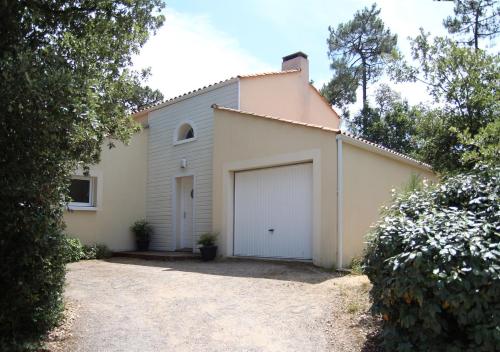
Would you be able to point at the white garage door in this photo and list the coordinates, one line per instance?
(273, 212)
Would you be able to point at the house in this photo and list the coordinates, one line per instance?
(260, 159)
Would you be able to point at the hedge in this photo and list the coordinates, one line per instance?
(434, 261)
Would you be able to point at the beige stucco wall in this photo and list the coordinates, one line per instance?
(121, 199)
(368, 179)
(244, 141)
(287, 96)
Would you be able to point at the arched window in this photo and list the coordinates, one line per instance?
(184, 133)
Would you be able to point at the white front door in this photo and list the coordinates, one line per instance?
(186, 212)
(273, 212)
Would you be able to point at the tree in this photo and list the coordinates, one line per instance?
(357, 50)
(474, 19)
(65, 87)
(341, 90)
(464, 84)
(485, 145)
(391, 122)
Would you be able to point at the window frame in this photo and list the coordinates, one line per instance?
(90, 205)
(178, 141)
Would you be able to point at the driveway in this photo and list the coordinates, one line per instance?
(135, 305)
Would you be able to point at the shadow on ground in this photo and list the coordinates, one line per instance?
(286, 271)
(373, 342)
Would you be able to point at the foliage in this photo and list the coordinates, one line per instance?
(65, 88)
(142, 230)
(357, 50)
(31, 278)
(74, 250)
(341, 90)
(484, 146)
(474, 19)
(391, 122)
(96, 251)
(207, 239)
(434, 261)
(415, 183)
(464, 84)
(357, 265)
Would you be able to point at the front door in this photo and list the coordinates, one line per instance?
(186, 212)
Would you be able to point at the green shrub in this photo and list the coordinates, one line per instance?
(96, 251)
(31, 280)
(357, 265)
(74, 249)
(141, 230)
(434, 261)
(207, 239)
(89, 252)
(102, 252)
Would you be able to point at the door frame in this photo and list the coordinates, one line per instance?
(176, 192)
(228, 195)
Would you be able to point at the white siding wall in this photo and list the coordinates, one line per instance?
(165, 157)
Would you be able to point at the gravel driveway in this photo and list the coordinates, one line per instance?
(135, 305)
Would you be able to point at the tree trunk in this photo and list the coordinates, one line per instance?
(364, 84)
(476, 30)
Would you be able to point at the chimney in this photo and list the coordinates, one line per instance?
(296, 61)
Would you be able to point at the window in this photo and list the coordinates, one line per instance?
(81, 191)
(184, 133)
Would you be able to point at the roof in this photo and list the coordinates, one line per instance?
(360, 140)
(270, 73)
(215, 106)
(213, 85)
(385, 149)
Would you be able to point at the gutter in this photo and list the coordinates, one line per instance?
(372, 147)
(340, 203)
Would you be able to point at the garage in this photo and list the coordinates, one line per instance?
(273, 212)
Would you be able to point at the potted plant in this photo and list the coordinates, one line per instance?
(208, 248)
(142, 232)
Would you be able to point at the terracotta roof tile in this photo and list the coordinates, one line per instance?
(324, 100)
(157, 105)
(268, 73)
(379, 146)
(164, 102)
(215, 106)
(337, 131)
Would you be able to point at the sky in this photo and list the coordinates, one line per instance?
(203, 42)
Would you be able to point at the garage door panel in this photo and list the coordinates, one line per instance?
(278, 199)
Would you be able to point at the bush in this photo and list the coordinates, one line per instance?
(74, 249)
(357, 266)
(96, 251)
(207, 239)
(141, 230)
(31, 281)
(434, 261)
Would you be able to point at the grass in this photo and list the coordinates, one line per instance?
(357, 266)
(353, 307)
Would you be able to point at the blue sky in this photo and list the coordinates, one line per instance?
(203, 42)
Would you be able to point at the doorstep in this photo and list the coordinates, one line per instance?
(157, 255)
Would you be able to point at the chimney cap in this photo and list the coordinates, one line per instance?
(294, 55)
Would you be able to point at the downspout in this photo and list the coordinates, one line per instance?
(340, 202)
